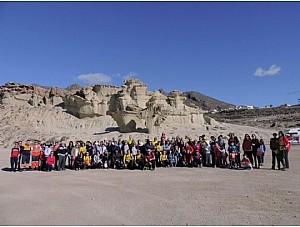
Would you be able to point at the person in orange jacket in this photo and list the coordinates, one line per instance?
(35, 155)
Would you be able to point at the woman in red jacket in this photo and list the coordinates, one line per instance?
(51, 161)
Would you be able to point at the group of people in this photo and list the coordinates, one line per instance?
(131, 154)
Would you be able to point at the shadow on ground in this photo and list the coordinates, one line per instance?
(117, 129)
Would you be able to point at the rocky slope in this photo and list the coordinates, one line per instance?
(275, 118)
(205, 102)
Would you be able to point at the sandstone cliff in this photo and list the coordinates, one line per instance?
(37, 111)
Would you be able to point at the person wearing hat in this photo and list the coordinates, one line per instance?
(274, 146)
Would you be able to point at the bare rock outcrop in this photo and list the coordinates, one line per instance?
(131, 106)
(34, 95)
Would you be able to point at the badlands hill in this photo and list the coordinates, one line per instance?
(103, 111)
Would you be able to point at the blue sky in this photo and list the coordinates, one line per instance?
(245, 53)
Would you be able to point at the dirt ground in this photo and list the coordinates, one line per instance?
(166, 196)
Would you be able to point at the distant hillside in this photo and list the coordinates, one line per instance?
(278, 117)
(205, 102)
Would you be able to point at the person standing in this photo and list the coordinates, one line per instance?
(20, 156)
(14, 156)
(255, 146)
(274, 146)
(47, 152)
(247, 147)
(223, 152)
(26, 153)
(74, 153)
(213, 149)
(238, 148)
(68, 156)
(36, 152)
(283, 150)
(61, 152)
(261, 150)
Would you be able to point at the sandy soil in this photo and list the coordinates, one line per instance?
(175, 196)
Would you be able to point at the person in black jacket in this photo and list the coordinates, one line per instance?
(20, 156)
(255, 146)
(62, 151)
(68, 156)
(274, 146)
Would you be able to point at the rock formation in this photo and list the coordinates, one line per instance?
(132, 106)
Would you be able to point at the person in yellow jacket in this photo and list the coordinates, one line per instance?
(139, 160)
(159, 147)
(155, 141)
(87, 160)
(82, 148)
(129, 141)
(128, 160)
(158, 151)
(163, 159)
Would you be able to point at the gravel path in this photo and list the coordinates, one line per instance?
(173, 196)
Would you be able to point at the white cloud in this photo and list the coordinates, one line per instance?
(130, 75)
(273, 70)
(95, 78)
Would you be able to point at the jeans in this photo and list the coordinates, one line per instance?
(43, 165)
(61, 162)
(274, 156)
(151, 164)
(254, 158)
(50, 167)
(263, 158)
(286, 158)
(213, 159)
(14, 163)
(280, 159)
(26, 158)
(19, 162)
(203, 154)
(207, 158)
(259, 159)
